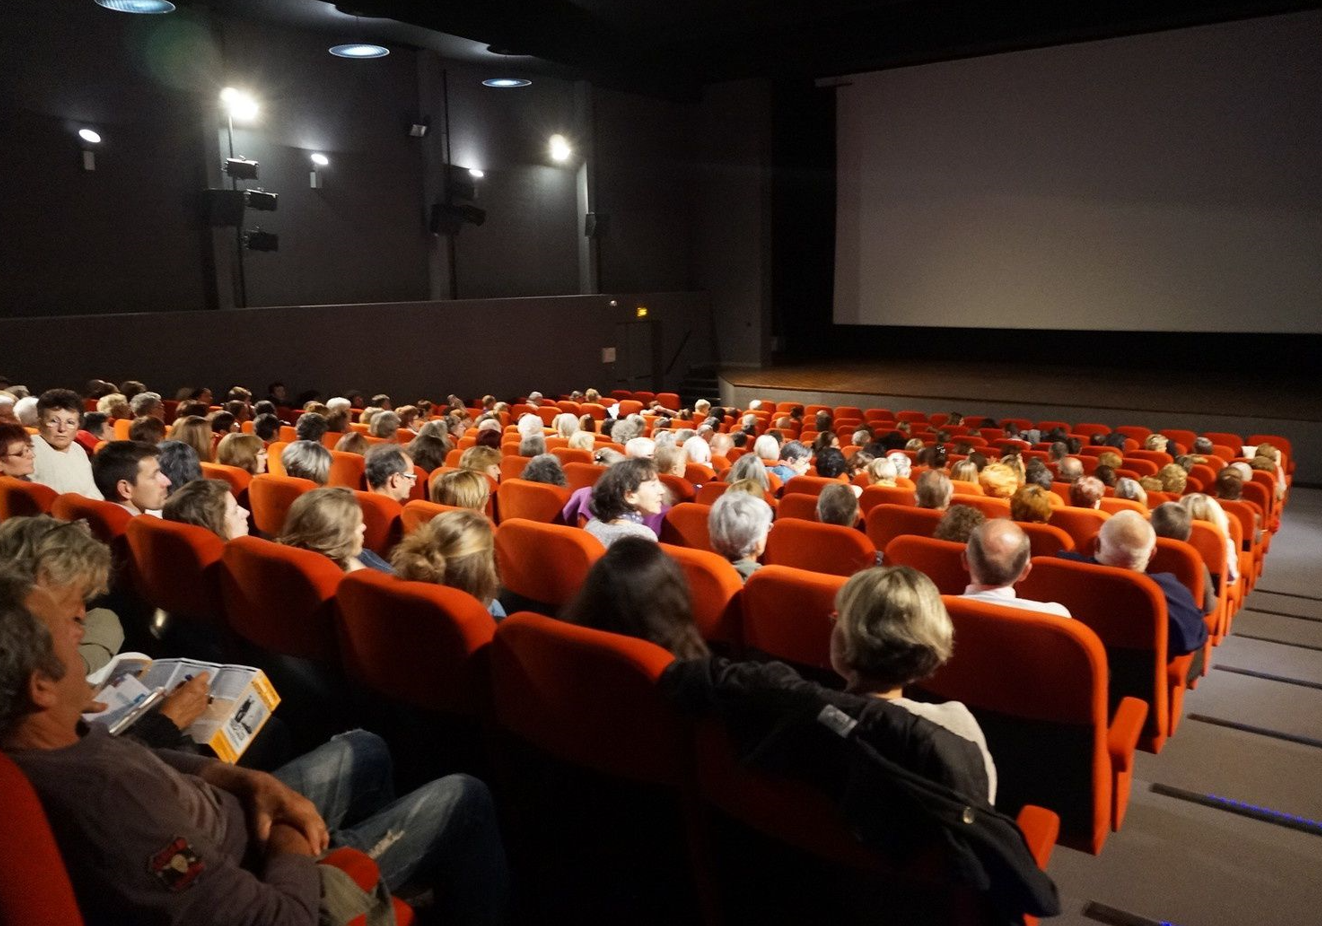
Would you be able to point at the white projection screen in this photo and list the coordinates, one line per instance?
(1162, 182)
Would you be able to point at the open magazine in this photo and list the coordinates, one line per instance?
(242, 699)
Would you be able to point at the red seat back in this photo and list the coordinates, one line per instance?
(885, 495)
(417, 513)
(886, 522)
(1082, 524)
(533, 501)
(35, 889)
(787, 614)
(939, 560)
(280, 598)
(799, 505)
(545, 563)
(415, 642)
(19, 499)
(685, 525)
(1046, 540)
(346, 470)
(177, 567)
(107, 520)
(808, 485)
(582, 475)
(237, 477)
(827, 548)
(384, 520)
(271, 497)
(714, 587)
(548, 678)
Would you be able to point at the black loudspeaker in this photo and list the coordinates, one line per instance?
(447, 219)
(596, 224)
(222, 208)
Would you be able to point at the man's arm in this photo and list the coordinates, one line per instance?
(269, 801)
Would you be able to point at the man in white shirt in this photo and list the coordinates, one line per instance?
(998, 556)
(128, 473)
(61, 463)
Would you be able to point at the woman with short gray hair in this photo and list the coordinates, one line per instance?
(738, 527)
(749, 467)
(305, 459)
(384, 425)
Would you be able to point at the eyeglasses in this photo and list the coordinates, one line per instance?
(411, 477)
(25, 450)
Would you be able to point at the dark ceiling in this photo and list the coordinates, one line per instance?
(673, 47)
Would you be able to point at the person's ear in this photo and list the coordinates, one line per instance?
(1028, 567)
(964, 560)
(124, 489)
(42, 690)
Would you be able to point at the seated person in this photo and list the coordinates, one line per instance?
(389, 472)
(1031, 503)
(1205, 508)
(195, 431)
(427, 451)
(635, 589)
(1106, 476)
(794, 460)
(958, 523)
(96, 428)
(352, 442)
(245, 451)
(738, 525)
(147, 429)
(532, 445)
(881, 472)
(546, 468)
(17, 456)
(998, 557)
(130, 475)
(964, 471)
(1069, 469)
(266, 427)
(622, 498)
(312, 426)
(164, 836)
(1172, 520)
(838, 504)
(1173, 478)
(830, 463)
(60, 462)
(1131, 489)
(71, 564)
(933, 490)
(485, 460)
(208, 503)
(329, 522)
(455, 548)
(305, 459)
(462, 489)
(179, 463)
(1086, 492)
(998, 480)
(1127, 541)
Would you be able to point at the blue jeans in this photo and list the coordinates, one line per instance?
(443, 835)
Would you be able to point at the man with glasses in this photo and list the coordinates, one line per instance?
(389, 472)
(60, 462)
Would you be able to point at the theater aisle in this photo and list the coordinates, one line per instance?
(1225, 825)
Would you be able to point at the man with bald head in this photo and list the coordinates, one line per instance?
(1128, 541)
(998, 557)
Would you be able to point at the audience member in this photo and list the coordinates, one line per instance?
(998, 557)
(1173, 478)
(208, 503)
(428, 451)
(457, 549)
(933, 490)
(485, 460)
(545, 467)
(998, 480)
(196, 433)
(838, 504)
(964, 471)
(147, 429)
(636, 590)
(881, 472)
(903, 465)
(17, 455)
(1087, 492)
(222, 844)
(245, 451)
(96, 428)
(60, 462)
(622, 498)
(794, 460)
(1105, 475)
(179, 464)
(312, 426)
(305, 459)
(329, 522)
(1205, 508)
(830, 463)
(352, 442)
(130, 475)
(1173, 521)
(1131, 489)
(958, 523)
(462, 488)
(1032, 504)
(389, 472)
(266, 427)
(738, 526)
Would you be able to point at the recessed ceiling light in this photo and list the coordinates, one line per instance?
(137, 6)
(506, 83)
(360, 50)
(89, 136)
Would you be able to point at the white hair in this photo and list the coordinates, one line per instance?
(529, 424)
(339, 403)
(737, 524)
(664, 437)
(640, 447)
(565, 424)
(698, 449)
(25, 410)
(903, 465)
(1126, 540)
(766, 447)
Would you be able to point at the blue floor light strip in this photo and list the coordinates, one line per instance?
(1114, 916)
(1242, 808)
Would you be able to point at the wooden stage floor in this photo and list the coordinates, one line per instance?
(971, 386)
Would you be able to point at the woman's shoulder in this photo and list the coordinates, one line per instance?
(952, 715)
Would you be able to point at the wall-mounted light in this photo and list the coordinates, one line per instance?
(137, 6)
(506, 83)
(314, 178)
(260, 199)
(241, 106)
(359, 50)
(320, 160)
(559, 147)
(91, 136)
(476, 174)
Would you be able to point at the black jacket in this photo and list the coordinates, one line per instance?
(901, 782)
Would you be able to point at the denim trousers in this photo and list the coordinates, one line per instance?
(444, 835)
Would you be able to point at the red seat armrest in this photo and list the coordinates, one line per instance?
(355, 864)
(1040, 828)
(1126, 727)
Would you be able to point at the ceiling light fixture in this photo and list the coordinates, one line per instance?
(90, 136)
(137, 6)
(359, 50)
(560, 150)
(506, 83)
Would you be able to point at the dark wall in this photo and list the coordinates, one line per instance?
(506, 347)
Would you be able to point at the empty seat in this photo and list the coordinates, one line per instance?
(1038, 685)
(787, 614)
(685, 525)
(544, 563)
(237, 477)
(809, 485)
(271, 497)
(1127, 611)
(989, 506)
(20, 499)
(886, 522)
(939, 560)
(798, 505)
(582, 475)
(416, 643)
(346, 470)
(875, 495)
(826, 548)
(532, 501)
(570, 455)
(714, 587)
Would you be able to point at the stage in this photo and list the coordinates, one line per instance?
(1247, 402)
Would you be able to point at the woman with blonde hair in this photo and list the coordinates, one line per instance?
(565, 424)
(1031, 503)
(329, 522)
(582, 440)
(964, 471)
(195, 431)
(463, 489)
(1205, 508)
(881, 472)
(246, 451)
(456, 549)
(998, 480)
(208, 503)
(484, 460)
(1173, 478)
(352, 442)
